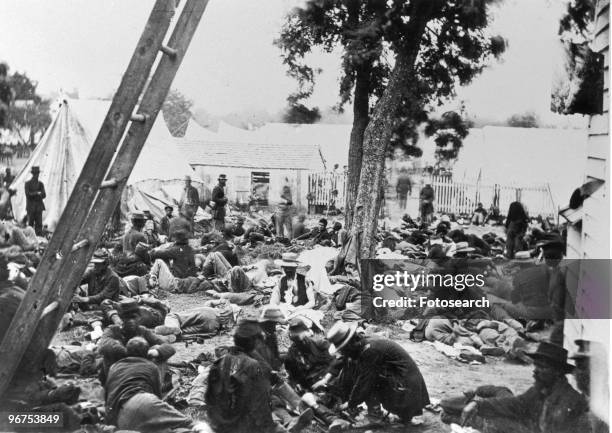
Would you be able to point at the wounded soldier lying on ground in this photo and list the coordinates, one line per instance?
(209, 319)
(488, 336)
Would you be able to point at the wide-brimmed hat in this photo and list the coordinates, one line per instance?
(340, 334)
(551, 240)
(289, 260)
(168, 207)
(552, 354)
(128, 308)
(463, 247)
(35, 169)
(137, 215)
(272, 314)
(100, 256)
(222, 177)
(187, 177)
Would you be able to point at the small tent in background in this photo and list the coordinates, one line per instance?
(156, 179)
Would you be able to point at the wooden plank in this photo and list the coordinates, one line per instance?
(603, 7)
(602, 40)
(598, 146)
(58, 252)
(596, 167)
(108, 198)
(599, 124)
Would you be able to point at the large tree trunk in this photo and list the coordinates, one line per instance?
(376, 141)
(361, 116)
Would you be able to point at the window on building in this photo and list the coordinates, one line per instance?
(260, 187)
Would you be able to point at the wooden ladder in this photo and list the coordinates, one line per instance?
(100, 184)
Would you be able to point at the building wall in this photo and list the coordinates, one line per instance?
(239, 182)
(592, 241)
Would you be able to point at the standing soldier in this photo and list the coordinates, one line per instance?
(426, 203)
(283, 214)
(35, 194)
(190, 196)
(403, 188)
(219, 200)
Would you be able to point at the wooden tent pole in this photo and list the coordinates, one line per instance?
(60, 247)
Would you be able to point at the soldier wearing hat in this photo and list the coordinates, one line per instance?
(308, 363)
(115, 337)
(551, 405)
(135, 235)
(35, 194)
(377, 371)
(164, 224)
(293, 289)
(270, 317)
(218, 202)
(244, 408)
(182, 258)
(190, 197)
(103, 284)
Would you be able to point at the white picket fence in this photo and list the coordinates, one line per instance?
(326, 189)
(462, 197)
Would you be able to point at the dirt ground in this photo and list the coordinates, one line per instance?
(445, 377)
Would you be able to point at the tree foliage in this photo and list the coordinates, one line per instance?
(580, 90)
(177, 112)
(448, 131)
(524, 120)
(299, 113)
(454, 48)
(30, 113)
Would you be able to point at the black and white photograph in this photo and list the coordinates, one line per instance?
(283, 216)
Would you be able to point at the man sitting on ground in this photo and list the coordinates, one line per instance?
(133, 394)
(182, 259)
(551, 405)
(478, 218)
(308, 359)
(135, 235)
(299, 228)
(293, 289)
(318, 234)
(103, 284)
(258, 233)
(115, 337)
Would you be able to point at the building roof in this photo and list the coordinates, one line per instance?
(251, 155)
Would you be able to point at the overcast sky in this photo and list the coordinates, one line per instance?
(232, 64)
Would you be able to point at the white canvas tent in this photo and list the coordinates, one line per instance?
(155, 180)
(197, 132)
